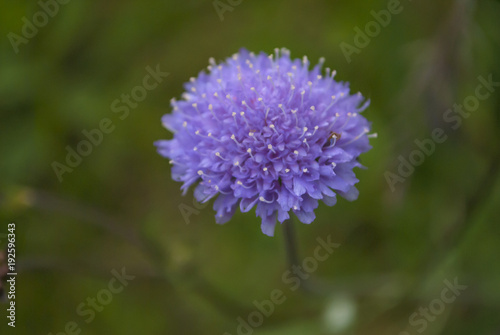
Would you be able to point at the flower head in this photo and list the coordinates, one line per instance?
(265, 130)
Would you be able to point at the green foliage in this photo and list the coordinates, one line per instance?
(119, 207)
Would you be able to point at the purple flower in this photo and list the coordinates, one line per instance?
(266, 131)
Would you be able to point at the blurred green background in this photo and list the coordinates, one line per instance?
(119, 208)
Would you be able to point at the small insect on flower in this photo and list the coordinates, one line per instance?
(265, 131)
(332, 139)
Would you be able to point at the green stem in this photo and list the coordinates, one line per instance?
(290, 243)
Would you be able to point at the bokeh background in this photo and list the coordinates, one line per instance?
(119, 208)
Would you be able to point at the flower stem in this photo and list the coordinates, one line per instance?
(309, 285)
(290, 242)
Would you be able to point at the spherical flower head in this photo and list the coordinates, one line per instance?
(265, 131)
